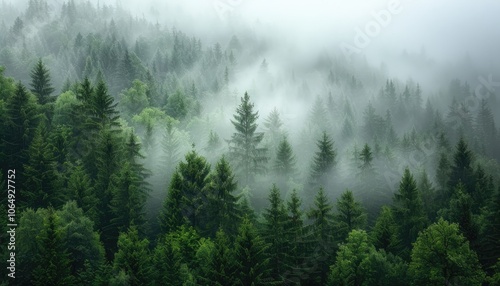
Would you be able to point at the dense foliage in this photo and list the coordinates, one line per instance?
(137, 164)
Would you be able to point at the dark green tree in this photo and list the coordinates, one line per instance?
(42, 182)
(53, 262)
(295, 236)
(461, 169)
(221, 207)
(133, 258)
(490, 231)
(128, 199)
(460, 211)
(40, 82)
(20, 125)
(350, 215)
(104, 107)
(322, 237)
(251, 263)
(274, 234)
(441, 256)
(221, 262)
(249, 158)
(408, 211)
(366, 158)
(167, 263)
(323, 162)
(429, 195)
(171, 216)
(385, 232)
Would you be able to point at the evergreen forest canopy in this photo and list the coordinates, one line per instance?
(146, 156)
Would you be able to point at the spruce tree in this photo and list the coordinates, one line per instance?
(40, 82)
(324, 161)
(408, 211)
(221, 208)
(461, 169)
(53, 267)
(249, 158)
(366, 158)
(251, 263)
(221, 264)
(133, 258)
(285, 163)
(385, 234)
(42, 182)
(350, 215)
(167, 263)
(171, 216)
(322, 237)
(294, 235)
(274, 234)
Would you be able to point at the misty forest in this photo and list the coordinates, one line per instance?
(149, 152)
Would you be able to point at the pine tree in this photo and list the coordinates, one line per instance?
(460, 211)
(40, 82)
(274, 234)
(273, 124)
(103, 107)
(429, 196)
(128, 199)
(133, 258)
(221, 263)
(321, 232)
(221, 207)
(251, 264)
(80, 190)
(167, 263)
(489, 247)
(171, 216)
(408, 210)
(461, 170)
(249, 158)
(284, 165)
(19, 129)
(324, 161)
(42, 182)
(350, 215)
(366, 158)
(294, 235)
(53, 261)
(385, 232)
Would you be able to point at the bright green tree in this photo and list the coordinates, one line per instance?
(441, 256)
(133, 258)
(244, 147)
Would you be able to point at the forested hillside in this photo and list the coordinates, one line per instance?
(133, 153)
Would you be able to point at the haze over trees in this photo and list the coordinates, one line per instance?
(153, 154)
